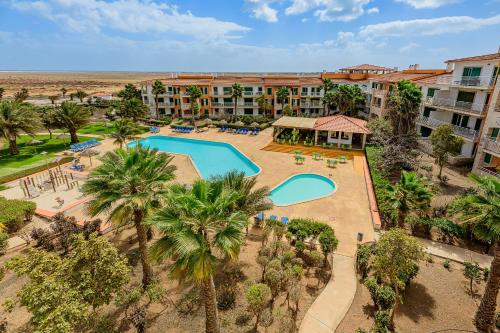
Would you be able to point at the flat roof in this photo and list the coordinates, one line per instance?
(295, 122)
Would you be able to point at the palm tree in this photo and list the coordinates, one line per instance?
(53, 99)
(237, 92)
(80, 94)
(129, 185)
(404, 105)
(282, 95)
(197, 224)
(327, 87)
(410, 194)
(329, 101)
(250, 201)
(263, 103)
(14, 119)
(194, 93)
(158, 89)
(63, 91)
(356, 99)
(481, 211)
(21, 95)
(2, 91)
(133, 108)
(124, 130)
(46, 114)
(71, 116)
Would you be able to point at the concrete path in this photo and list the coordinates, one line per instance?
(455, 253)
(328, 310)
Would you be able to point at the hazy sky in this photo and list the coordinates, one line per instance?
(242, 35)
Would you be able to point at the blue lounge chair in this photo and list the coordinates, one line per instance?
(273, 217)
(284, 220)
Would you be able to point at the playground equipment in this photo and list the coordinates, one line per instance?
(52, 179)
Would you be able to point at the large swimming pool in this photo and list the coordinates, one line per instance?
(300, 188)
(210, 158)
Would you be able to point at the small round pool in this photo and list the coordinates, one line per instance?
(300, 188)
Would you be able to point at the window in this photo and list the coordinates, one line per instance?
(259, 89)
(459, 120)
(345, 136)
(465, 96)
(431, 92)
(160, 100)
(472, 71)
(487, 158)
(169, 89)
(334, 135)
(269, 91)
(248, 111)
(304, 91)
(477, 126)
(494, 132)
(427, 112)
(161, 110)
(295, 91)
(391, 88)
(216, 90)
(227, 90)
(425, 131)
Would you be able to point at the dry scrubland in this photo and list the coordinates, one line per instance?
(50, 83)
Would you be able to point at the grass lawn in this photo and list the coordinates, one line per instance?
(29, 155)
(102, 128)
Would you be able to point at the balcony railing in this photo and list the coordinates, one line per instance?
(379, 93)
(489, 172)
(311, 105)
(461, 131)
(312, 94)
(476, 108)
(186, 106)
(252, 93)
(248, 104)
(467, 81)
(160, 104)
(223, 105)
(492, 145)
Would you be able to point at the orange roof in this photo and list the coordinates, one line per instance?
(341, 123)
(492, 56)
(429, 80)
(367, 67)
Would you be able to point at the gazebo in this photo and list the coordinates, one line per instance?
(337, 130)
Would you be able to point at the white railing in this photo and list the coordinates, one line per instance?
(492, 145)
(252, 93)
(248, 104)
(462, 131)
(163, 104)
(311, 105)
(223, 105)
(186, 106)
(476, 108)
(489, 172)
(312, 94)
(467, 81)
(379, 93)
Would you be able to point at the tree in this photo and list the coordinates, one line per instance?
(63, 91)
(204, 220)
(473, 272)
(347, 98)
(61, 290)
(328, 243)
(133, 108)
(53, 99)
(129, 185)
(404, 105)
(329, 101)
(80, 94)
(123, 130)
(14, 119)
(72, 96)
(444, 142)
(237, 92)
(481, 211)
(2, 91)
(158, 89)
(411, 193)
(263, 103)
(21, 95)
(71, 116)
(282, 95)
(381, 131)
(129, 92)
(396, 256)
(258, 296)
(194, 93)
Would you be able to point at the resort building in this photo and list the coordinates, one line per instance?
(305, 92)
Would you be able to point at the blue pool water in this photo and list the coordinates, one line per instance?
(300, 188)
(210, 158)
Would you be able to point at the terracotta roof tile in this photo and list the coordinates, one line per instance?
(492, 56)
(368, 67)
(341, 123)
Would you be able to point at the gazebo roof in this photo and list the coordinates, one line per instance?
(338, 123)
(295, 122)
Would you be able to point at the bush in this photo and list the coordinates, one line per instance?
(4, 242)
(226, 298)
(446, 264)
(406, 277)
(382, 321)
(13, 213)
(363, 256)
(382, 295)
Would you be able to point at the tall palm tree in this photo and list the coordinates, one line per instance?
(158, 88)
(129, 185)
(481, 211)
(133, 108)
(237, 92)
(63, 91)
(2, 91)
(282, 95)
(71, 116)
(327, 87)
(46, 114)
(404, 105)
(80, 94)
(263, 103)
(410, 194)
(194, 93)
(53, 99)
(14, 119)
(356, 99)
(124, 129)
(329, 101)
(197, 225)
(348, 98)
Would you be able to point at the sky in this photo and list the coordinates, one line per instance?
(242, 35)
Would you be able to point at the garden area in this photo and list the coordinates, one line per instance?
(105, 128)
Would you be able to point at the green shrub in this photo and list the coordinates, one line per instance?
(4, 242)
(406, 277)
(363, 256)
(30, 171)
(446, 264)
(383, 296)
(382, 321)
(13, 213)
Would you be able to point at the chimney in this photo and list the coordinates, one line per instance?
(416, 66)
(396, 69)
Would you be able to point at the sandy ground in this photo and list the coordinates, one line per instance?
(50, 83)
(437, 300)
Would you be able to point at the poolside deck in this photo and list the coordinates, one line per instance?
(306, 150)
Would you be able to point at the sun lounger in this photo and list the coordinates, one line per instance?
(273, 217)
(284, 220)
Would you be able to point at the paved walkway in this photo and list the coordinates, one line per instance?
(455, 253)
(331, 306)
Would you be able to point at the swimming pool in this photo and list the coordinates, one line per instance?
(210, 158)
(300, 188)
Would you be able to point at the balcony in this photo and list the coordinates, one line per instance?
(248, 105)
(311, 105)
(461, 131)
(467, 81)
(252, 93)
(460, 106)
(489, 172)
(379, 93)
(185, 106)
(223, 105)
(492, 145)
(163, 104)
(312, 94)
